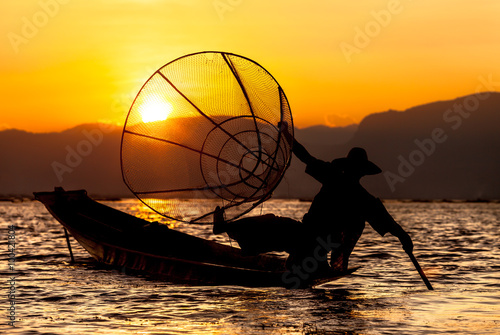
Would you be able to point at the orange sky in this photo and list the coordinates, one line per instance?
(67, 62)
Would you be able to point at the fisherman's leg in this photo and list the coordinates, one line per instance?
(258, 234)
(244, 225)
(310, 255)
(339, 260)
(261, 224)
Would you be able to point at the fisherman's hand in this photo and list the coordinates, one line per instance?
(283, 127)
(406, 241)
(404, 238)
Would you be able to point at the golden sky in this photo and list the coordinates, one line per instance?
(67, 62)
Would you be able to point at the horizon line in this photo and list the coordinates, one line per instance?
(6, 127)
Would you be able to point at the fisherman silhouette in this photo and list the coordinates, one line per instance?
(334, 222)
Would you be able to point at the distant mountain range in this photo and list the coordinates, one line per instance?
(442, 150)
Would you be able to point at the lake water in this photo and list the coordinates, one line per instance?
(457, 245)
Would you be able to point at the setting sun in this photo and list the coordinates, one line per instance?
(155, 110)
(341, 63)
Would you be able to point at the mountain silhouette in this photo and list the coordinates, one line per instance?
(442, 150)
(87, 156)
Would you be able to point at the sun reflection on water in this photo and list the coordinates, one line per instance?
(142, 211)
(385, 296)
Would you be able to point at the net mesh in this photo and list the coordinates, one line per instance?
(206, 126)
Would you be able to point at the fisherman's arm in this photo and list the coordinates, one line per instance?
(403, 236)
(298, 149)
(383, 223)
(301, 153)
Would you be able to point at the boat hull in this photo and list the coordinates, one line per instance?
(123, 241)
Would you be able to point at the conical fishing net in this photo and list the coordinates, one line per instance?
(205, 126)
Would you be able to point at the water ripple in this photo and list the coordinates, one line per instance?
(456, 244)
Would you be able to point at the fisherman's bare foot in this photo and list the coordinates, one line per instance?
(218, 220)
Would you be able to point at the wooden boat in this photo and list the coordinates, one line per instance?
(121, 240)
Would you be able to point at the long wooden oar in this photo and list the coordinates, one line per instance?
(420, 271)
